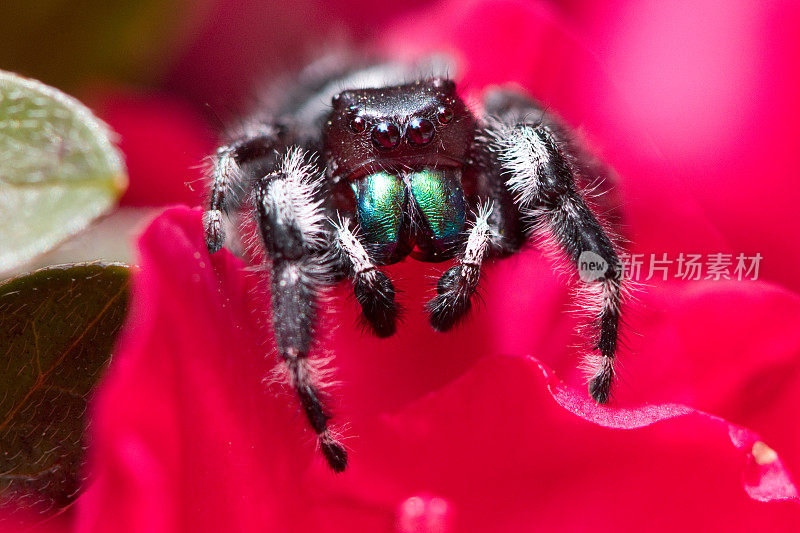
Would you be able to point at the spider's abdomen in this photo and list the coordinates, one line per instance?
(424, 211)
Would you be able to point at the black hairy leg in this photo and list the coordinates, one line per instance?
(574, 227)
(539, 166)
(372, 288)
(458, 284)
(295, 291)
(291, 226)
(231, 181)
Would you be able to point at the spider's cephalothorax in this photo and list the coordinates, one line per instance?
(402, 151)
(356, 168)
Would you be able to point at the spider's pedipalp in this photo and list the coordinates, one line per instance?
(225, 172)
(373, 289)
(457, 285)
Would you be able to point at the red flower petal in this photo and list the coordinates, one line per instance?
(730, 348)
(187, 436)
(184, 437)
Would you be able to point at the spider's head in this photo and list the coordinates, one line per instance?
(406, 127)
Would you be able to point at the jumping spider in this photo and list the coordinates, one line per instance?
(358, 167)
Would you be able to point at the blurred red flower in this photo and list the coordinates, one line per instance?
(189, 438)
(445, 435)
(165, 142)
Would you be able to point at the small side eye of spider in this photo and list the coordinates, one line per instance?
(397, 169)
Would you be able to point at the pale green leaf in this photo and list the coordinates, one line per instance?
(59, 168)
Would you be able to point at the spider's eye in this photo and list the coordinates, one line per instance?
(420, 131)
(358, 124)
(444, 114)
(386, 136)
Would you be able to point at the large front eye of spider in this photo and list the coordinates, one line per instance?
(420, 131)
(386, 135)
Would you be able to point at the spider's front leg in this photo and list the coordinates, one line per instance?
(539, 166)
(290, 221)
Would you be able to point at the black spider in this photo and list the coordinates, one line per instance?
(354, 168)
